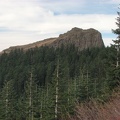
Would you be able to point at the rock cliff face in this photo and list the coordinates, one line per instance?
(45, 42)
(80, 38)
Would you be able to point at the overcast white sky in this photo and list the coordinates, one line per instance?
(27, 21)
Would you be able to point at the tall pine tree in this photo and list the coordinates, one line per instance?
(117, 41)
(116, 71)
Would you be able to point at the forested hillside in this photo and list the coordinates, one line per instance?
(44, 83)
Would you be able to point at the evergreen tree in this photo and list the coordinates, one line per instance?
(30, 97)
(8, 102)
(56, 90)
(116, 71)
(117, 41)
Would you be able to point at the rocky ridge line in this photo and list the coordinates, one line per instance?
(82, 39)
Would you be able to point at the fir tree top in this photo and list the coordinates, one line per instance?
(117, 31)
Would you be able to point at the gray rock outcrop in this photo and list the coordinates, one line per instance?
(82, 39)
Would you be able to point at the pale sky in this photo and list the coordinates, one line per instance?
(27, 21)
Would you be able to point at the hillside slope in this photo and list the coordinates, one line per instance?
(80, 38)
(96, 111)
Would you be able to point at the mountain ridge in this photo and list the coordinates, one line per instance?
(82, 39)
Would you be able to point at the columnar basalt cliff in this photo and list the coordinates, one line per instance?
(82, 39)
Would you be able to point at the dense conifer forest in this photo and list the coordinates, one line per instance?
(45, 83)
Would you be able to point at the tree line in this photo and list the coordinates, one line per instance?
(44, 83)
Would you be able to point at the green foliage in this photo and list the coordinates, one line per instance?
(82, 75)
(8, 102)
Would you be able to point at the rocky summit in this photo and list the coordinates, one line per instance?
(82, 39)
